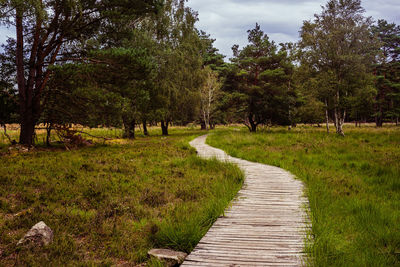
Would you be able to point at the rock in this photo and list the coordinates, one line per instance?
(40, 234)
(170, 257)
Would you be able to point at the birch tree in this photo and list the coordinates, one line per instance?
(339, 42)
(209, 94)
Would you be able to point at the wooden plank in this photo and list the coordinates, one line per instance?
(266, 224)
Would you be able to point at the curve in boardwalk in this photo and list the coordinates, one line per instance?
(265, 226)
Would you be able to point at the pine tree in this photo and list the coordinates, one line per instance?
(387, 72)
(49, 32)
(263, 78)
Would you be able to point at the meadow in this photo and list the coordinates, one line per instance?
(352, 182)
(109, 203)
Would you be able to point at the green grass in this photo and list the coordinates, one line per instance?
(353, 185)
(110, 203)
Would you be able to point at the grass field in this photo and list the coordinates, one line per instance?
(110, 203)
(353, 185)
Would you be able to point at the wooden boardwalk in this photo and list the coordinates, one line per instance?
(265, 226)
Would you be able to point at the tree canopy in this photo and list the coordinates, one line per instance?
(123, 63)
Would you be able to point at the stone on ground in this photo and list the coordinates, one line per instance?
(40, 234)
(170, 257)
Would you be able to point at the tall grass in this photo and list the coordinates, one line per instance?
(353, 185)
(110, 203)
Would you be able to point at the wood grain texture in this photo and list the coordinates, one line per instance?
(266, 224)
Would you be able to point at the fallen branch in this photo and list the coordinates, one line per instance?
(73, 137)
(13, 142)
(98, 137)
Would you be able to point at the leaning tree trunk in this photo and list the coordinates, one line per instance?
(339, 121)
(164, 127)
(339, 129)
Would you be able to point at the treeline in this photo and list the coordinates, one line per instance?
(120, 63)
(344, 68)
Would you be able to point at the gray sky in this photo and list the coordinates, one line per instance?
(5, 33)
(228, 20)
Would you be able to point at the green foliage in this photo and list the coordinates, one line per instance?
(179, 77)
(8, 105)
(51, 33)
(352, 185)
(388, 72)
(312, 111)
(262, 74)
(109, 204)
(339, 48)
(8, 96)
(211, 56)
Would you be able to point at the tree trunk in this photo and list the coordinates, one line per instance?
(205, 119)
(25, 95)
(203, 125)
(379, 109)
(48, 136)
(27, 129)
(379, 120)
(327, 115)
(339, 117)
(129, 128)
(253, 125)
(339, 121)
(145, 131)
(339, 129)
(164, 127)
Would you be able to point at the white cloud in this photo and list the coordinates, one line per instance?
(228, 20)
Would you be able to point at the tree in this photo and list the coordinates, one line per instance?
(8, 97)
(178, 54)
(108, 88)
(211, 56)
(48, 32)
(263, 77)
(387, 72)
(339, 43)
(209, 93)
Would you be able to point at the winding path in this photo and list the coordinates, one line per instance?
(266, 224)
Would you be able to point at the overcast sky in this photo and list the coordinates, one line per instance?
(228, 20)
